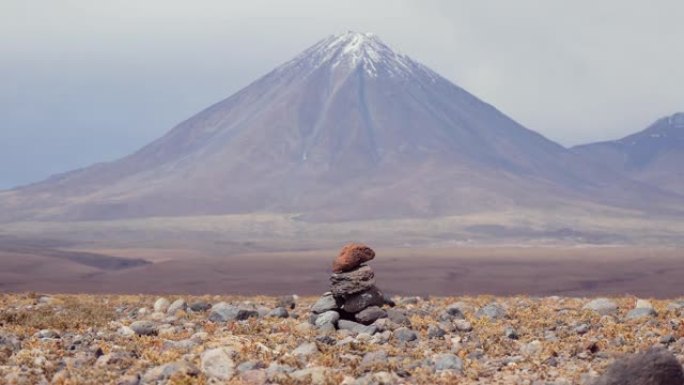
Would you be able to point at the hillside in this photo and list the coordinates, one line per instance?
(654, 155)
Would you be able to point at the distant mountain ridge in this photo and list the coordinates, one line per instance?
(349, 129)
(654, 155)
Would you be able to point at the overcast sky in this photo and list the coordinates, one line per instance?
(85, 81)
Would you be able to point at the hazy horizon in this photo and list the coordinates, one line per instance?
(88, 83)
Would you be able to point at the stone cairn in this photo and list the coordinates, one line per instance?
(353, 299)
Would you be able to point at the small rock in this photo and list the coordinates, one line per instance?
(511, 333)
(374, 358)
(388, 300)
(351, 256)
(453, 312)
(532, 349)
(493, 311)
(144, 328)
(48, 334)
(370, 314)
(326, 339)
(125, 331)
(305, 350)
(200, 306)
(224, 312)
(643, 304)
(250, 365)
(462, 325)
(582, 329)
(640, 312)
(667, 339)
(177, 305)
(218, 364)
(274, 369)
(356, 327)
(359, 301)
(162, 373)
(325, 303)
(602, 306)
(329, 317)
(161, 305)
(254, 377)
(279, 312)
(435, 332)
(398, 317)
(404, 334)
(351, 282)
(408, 301)
(447, 362)
(317, 375)
(286, 301)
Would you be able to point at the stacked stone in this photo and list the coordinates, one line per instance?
(353, 295)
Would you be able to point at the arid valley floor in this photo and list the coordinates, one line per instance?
(505, 270)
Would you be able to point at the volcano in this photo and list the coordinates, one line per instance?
(348, 129)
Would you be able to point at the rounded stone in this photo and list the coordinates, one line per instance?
(161, 305)
(370, 314)
(217, 363)
(602, 306)
(352, 256)
(144, 328)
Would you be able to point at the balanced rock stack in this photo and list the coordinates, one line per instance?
(353, 295)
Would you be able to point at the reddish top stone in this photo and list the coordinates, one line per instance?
(352, 256)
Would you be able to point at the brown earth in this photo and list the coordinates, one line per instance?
(566, 271)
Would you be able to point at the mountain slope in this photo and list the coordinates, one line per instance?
(349, 129)
(654, 155)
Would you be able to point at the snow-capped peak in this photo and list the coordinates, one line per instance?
(351, 50)
(676, 120)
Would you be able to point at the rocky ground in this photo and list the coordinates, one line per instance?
(83, 339)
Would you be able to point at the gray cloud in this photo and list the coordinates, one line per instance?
(88, 81)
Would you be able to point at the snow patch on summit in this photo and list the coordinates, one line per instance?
(351, 50)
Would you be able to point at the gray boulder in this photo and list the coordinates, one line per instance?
(602, 306)
(493, 311)
(177, 305)
(640, 312)
(224, 312)
(404, 334)
(162, 373)
(329, 317)
(655, 366)
(286, 301)
(200, 306)
(351, 282)
(356, 327)
(218, 364)
(435, 331)
(374, 358)
(447, 361)
(370, 314)
(325, 303)
(305, 350)
(398, 317)
(359, 301)
(144, 328)
(279, 312)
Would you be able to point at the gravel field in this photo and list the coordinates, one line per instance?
(129, 339)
